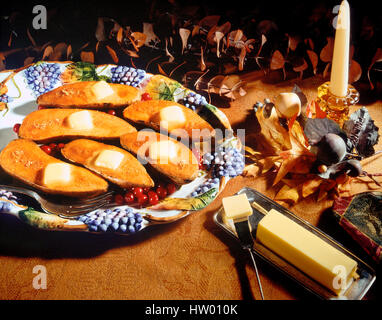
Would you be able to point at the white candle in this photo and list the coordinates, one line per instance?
(339, 76)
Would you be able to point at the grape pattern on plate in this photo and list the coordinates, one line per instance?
(5, 98)
(42, 77)
(7, 195)
(225, 162)
(193, 101)
(127, 75)
(206, 186)
(122, 220)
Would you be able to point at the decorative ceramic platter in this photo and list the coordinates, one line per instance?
(18, 92)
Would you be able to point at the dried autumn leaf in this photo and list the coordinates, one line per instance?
(251, 170)
(311, 186)
(211, 35)
(150, 35)
(287, 194)
(326, 70)
(161, 71)
(171, 57)
(309, 43)
(31, 38)
(47, 52)
(326, 53)
(195, 30)
(28, 60)
(275, 138)
(355, 71)
(209, 21)
(112, 54)
(69, 52)
(301, 68)
(293, 42)
(184, 35)
(59, 51)
(100, 30)
(242, 55)
(297, 157)
(218, 36)
(2, 64)
(235, 38)
(277, 61)
(139, 39)
(120, 35)
(203, 66)
(313, 59)
(87, 56)
(268, 163)
(376, 58)
(132, 53)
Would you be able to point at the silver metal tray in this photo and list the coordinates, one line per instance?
(356, 290)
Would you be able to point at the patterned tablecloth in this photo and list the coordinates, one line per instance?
(190, 259)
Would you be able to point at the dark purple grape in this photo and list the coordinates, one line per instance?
(42, 77)
(331, 149)
(228, 162)
(193, 101)
(113, 220)
(127, 75)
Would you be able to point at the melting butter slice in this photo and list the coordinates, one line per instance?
(237, 207)
(306, 251)
(171, 117)
(81, 120)
(57, 173)
(102, 90)
(110, 159)
(163, 151)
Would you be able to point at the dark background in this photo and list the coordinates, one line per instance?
(75, 22)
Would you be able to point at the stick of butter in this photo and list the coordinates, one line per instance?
(306, 251)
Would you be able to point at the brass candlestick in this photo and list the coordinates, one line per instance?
(336, 108)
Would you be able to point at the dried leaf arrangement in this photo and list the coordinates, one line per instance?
(182, 43)
(310, 155)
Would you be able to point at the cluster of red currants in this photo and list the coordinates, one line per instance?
(137, 196)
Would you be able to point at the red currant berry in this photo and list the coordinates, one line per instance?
(137, 191)
(171, 188)
(146, 190)
(60, 146)
(53, 146)
(40, 107)
(16, 128)
(112, 112)
(119, 199)
(162, 192)
(129, 197)
(142, 199)
(153, 198)
(46, 149)
(145, 96)
(161, 185)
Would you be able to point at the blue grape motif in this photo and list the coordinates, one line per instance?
(42, 77)
(113, 220)
(208, 185)
(5, 98)
(225, 162)
(7, 195)
(193, 101)
(127, 75)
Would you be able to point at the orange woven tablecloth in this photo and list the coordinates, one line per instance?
(190, 259)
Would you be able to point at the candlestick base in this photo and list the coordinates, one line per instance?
(336, 108)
